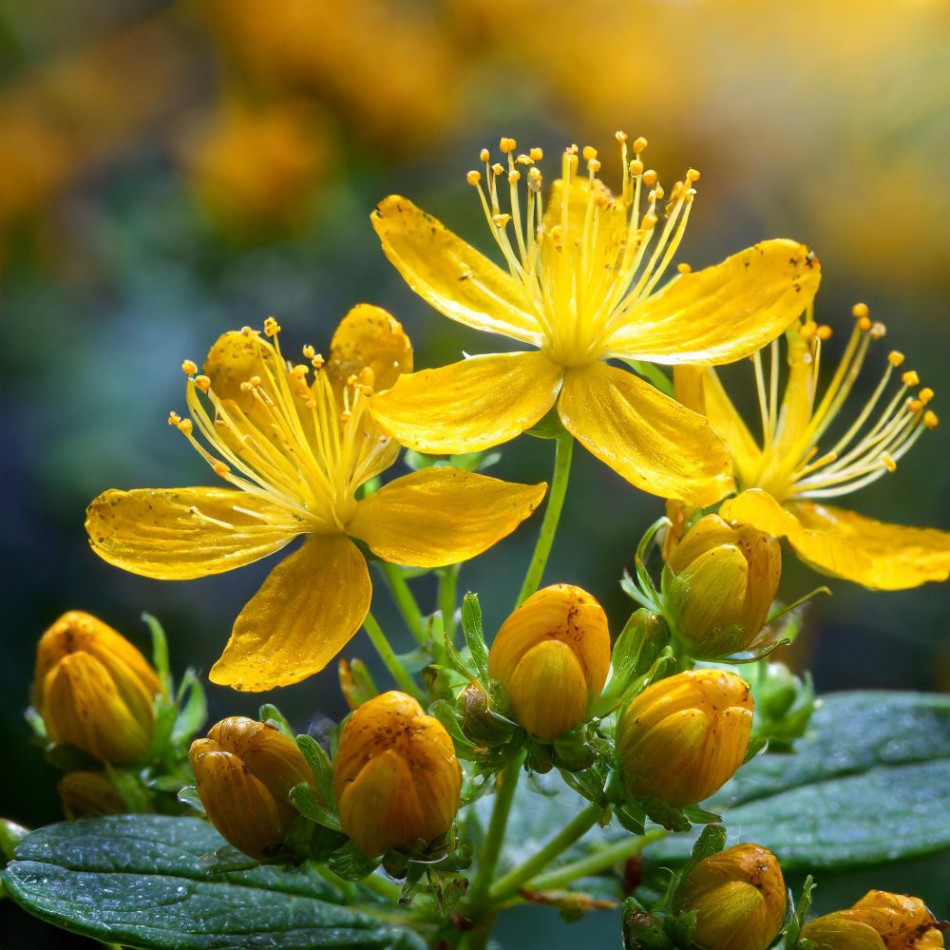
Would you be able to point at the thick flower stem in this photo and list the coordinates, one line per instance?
(595, 863)
(405, 600)
(507, 782)
(564, 449)
(385, 651)
(448, 598)
(511, 883)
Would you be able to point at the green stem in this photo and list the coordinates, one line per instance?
(448, 598)
(656, 376)
(506, 783)
(595, 863)
(389, 890)
(564, 449)
(576, 828)
(405, 600)
(385, 651)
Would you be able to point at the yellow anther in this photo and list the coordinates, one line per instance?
(352, 379)
(248, 331)
(300, 371)
(498, 169)
(271, 327)
(203, 383)
(507, 145)
(649, 177)
(895, 358)
(185, 425)
(636, 168)
(878, 330)
(910, 378)
(523, 159)
(620, 136)
(859, 311)
(930, 419)
(514, 177)
(684, 268)
(914, 405)
(594, 165)
(345, 415)
(589, 153)
(309, 352)
(173, 418)
(255, 380)
(807, 330)
(692, 175)
(501, 220)
(474, 178)
(639, 144)
(246, 387)
(925, 395)
(657, 194)
(534, 179)
(318, 361)
(536, 154)
(220, 468)
(649, 220)
(484, 155)
(367, 377)
(189, 367)
(823, 332)
(864, 323)
(889, 462)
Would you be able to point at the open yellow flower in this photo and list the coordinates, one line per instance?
(581, 287)
(785, 478)
(296, 451)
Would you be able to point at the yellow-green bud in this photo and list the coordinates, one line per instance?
(552, 656)
(396, 778)
(94, 690)
(739, 899)
(719, 584)
(88, 793)
(879, 921)
(244, 772)
(684, 737)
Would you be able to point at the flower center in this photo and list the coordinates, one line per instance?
(305, 445)
(883, 430)
(592, 255)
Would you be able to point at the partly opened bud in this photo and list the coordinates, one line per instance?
(94, 690)
(719, 583)
(244, 772)
(879, 921)
(684, 737)
(88, 793)
(552, 656)
(739, 899)
(396, 778)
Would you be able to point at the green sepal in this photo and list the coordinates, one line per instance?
(797, 916)
(639, 648)
(304, 799)
(352, 864)
(320, 766)
(474, 634)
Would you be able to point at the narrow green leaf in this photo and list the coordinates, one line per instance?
(474, 635)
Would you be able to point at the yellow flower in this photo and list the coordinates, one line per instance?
(94, 690)
(684, 737)
(738, 897)
(879, 921)
(552, 656)
(396, 778)
(581, 287)
(244, 772)
(786, 478)
(297, 450)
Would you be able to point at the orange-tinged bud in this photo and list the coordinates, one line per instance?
(244, 772)
(94, 689)
(719, 584)
(88, 793)
(552, 656)
(739, 899)
(396, 778)
(684, 737)
(879, 921)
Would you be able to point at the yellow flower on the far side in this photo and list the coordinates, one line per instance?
(786, 478)
(296, 448)
(581, 286)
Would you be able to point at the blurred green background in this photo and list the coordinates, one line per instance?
(169, 171)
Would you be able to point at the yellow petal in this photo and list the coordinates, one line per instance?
(722, 313)
(470, 405)
(648, 438)
(700, 389)
(451, 275)
(236, 357)
(368, 337)
(441, 515)
(305, 612)
(845, 544)
(181, 533)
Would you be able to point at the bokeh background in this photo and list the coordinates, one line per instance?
(169, 171)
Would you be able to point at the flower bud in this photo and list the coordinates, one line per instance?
(88, 793)
(719, 584)
(684, 737)
(738, 897)
(94, 690)
(396, 778)
(244, 772)
(879, 921)
(552, 656)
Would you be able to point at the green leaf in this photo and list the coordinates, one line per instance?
(866, 785)
(144, 881)
(192, 712)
